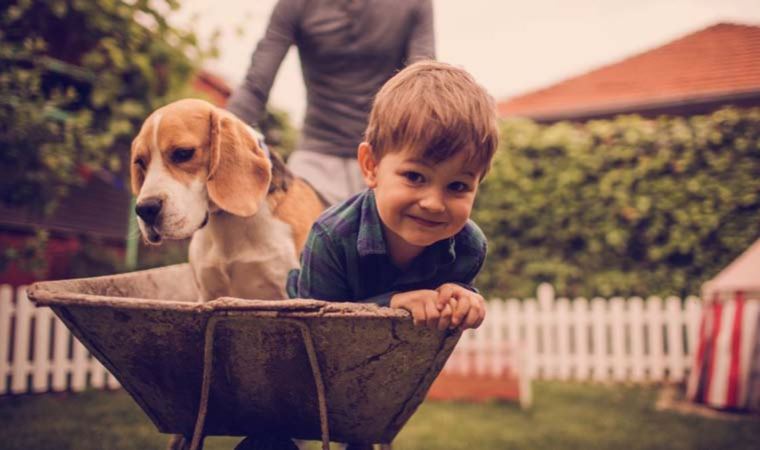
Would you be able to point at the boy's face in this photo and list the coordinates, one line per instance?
(419, 202)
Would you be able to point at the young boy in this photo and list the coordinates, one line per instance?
(407, 242)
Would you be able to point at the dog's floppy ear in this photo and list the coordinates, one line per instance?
(239, 170)
(136, 176)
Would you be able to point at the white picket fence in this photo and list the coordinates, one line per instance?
(632, 340)
(39, 354)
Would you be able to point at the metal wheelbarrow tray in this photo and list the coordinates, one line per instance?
(301, 368)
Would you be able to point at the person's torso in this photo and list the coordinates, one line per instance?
(348, 49)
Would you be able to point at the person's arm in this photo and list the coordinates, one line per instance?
(421, 43)
(468, 307)
(322, 275)
(467, 303)
(249, 100)
(380, 300)
(426, 308)
(479, 258)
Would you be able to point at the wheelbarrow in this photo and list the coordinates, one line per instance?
(305, 369)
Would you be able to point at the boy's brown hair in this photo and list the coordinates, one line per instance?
(437, 110)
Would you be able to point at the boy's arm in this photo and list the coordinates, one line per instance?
(467, 303)
(478, 259)
(380, 300)
(323, 275)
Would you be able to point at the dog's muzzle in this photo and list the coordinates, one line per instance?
(149, 210)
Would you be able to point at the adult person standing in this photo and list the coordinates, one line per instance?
(347, 50)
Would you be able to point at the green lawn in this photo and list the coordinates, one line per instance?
(564, 416)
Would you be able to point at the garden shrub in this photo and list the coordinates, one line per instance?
(76, 80)
(628, 206)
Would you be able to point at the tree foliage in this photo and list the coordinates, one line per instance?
(628, 206)
(76, 79)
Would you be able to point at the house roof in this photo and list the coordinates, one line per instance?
(719, 64)
(212, 85)
(743, 274)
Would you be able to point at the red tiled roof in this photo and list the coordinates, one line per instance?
(722, 61)
(212, 85)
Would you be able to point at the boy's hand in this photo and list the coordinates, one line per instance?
(426, 308)
(469, 308)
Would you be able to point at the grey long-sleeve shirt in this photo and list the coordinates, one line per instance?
(348, 49)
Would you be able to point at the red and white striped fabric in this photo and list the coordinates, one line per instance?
(726, 370)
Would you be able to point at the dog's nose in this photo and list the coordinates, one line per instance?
(149, 209)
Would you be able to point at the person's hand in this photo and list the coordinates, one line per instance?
(426, 307)
(469, 308)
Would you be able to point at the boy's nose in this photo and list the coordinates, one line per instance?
(433, 202)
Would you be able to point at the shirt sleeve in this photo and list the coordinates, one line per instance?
(380, 300)
(322, 275)
(478, 259)
(421, 43)
(249, 100)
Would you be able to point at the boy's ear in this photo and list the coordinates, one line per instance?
(367, 164)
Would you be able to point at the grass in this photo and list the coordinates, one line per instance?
(565, 416)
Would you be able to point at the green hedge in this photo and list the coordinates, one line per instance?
(77, 78)
(628, 206)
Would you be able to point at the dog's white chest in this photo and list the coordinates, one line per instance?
(243, 257)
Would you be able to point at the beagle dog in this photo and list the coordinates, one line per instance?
(197, 170)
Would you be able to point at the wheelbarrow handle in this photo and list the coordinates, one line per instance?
(208, 360)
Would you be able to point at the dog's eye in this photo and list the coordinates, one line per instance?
(181, 155)
(140, 163)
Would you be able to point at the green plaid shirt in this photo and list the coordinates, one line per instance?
(345, 258)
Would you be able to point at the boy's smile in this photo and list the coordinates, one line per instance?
(427, 223)
(419, 202)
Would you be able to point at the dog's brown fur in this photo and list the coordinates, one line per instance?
(244, 187)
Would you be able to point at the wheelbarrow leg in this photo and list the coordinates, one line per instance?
(208, 359)
(318, 382)
(178, 442)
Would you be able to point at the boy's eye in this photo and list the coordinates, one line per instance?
(458, 186)
(414, 177)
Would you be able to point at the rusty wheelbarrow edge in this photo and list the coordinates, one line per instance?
(42, 296)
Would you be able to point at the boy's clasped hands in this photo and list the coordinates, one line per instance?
(448, 306)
